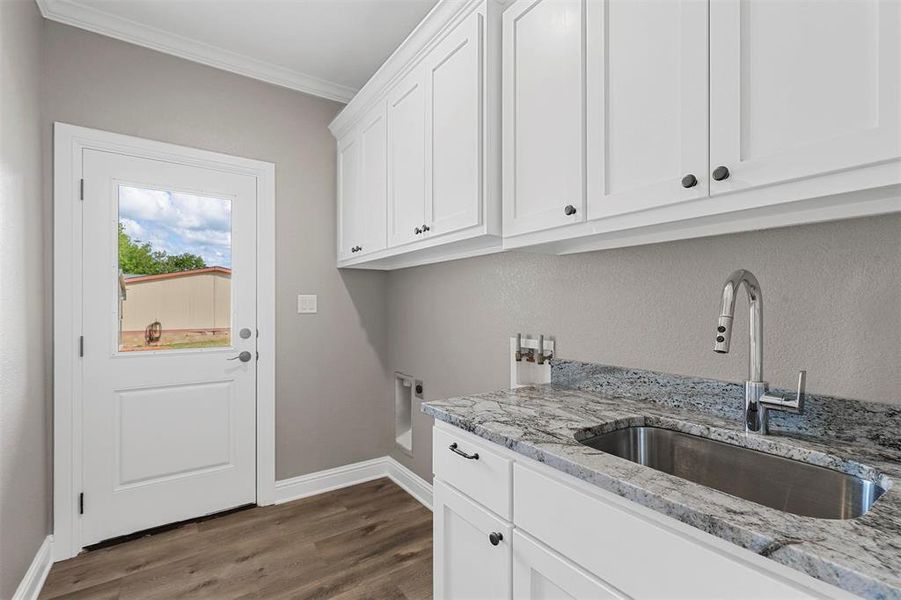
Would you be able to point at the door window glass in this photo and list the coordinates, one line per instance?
(174, 270)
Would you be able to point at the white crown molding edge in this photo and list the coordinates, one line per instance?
(33, 581)
(441, 19)
(304, 486)
(97, 21)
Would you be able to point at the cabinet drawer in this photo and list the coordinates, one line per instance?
(485, 479)
(622, 547)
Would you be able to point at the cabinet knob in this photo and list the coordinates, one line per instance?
(720, 173)
(425, 228)
(417, 230)
(495, 537)
(689, 181)
(569, 210)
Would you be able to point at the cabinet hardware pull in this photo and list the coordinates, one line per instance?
(495, 537)
(720, 173)
(426, 228)
(689, 181)
(453, 448)
(569, 210)
(417, 230)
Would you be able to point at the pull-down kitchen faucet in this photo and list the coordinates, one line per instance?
(757, 402)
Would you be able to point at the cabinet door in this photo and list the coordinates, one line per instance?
(454, 72)
(541, 574)
(544, 117)
(406, 159)
(467, 565)
(372, 217)
(348, 195)
(802, 87)
(647, 103)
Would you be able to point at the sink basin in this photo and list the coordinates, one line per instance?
(773, 481)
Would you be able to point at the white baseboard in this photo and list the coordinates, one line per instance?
(412, 483)
(304, 486)
(30, 586)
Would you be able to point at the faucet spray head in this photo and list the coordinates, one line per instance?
(723, 334)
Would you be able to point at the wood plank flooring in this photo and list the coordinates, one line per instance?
(371, 540)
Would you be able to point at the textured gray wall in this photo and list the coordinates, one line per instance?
(24, 427)
(332, 402)
(831, 306)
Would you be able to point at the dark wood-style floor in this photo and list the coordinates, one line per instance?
(371, 540)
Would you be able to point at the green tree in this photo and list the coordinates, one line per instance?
(136, 258)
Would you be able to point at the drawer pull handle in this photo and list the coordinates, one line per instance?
(455, 450)
(495, 538)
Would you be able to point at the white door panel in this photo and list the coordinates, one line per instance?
(544, 125)
(406, 160)
(467, 565)
(349, 202)
(169, 426)
(371, 220)
(802, 87)
(541, 574)
(647, 103)
(455, 116)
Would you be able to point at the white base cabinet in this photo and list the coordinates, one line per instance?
(564, 538)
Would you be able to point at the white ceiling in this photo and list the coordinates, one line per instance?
(329, 48)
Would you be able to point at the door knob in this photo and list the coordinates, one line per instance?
(243, 357)
(569, 210)
(720, 173)
(689, 181)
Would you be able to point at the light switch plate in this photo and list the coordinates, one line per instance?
(306, 303)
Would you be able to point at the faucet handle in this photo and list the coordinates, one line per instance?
(795, 405)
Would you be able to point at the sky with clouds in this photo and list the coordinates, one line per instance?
(178, 223)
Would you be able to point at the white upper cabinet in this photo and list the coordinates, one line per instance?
(800, 88)
(544, 126)
(437, 182)
(454, 110)
(406, 159)
(701, 117)
(349, 225)
(647, 104)
(373, 188)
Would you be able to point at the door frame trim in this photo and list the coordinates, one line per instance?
(69, 142)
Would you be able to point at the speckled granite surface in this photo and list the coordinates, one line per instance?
(861, 555)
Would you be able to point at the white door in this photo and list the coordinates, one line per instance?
(373, 190)
(647, 104)
(541, 574)
(349, 208)
(454, 113)
(802, 87)
(406, 160)
(544, 115)
(470, 564)
(169, 287)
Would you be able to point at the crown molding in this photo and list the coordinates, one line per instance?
(97, 21)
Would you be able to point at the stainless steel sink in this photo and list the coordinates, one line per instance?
(773, 481)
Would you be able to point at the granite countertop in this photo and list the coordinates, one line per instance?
(861, 555)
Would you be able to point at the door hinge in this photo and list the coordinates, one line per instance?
(81, 503)
(81, 346)
(81, 190)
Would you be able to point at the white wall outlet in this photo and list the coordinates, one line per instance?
(306, 303)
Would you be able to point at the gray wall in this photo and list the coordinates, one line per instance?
(332, 406)
(831, 306)
(24, 433)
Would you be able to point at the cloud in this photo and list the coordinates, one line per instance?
(177, 223)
